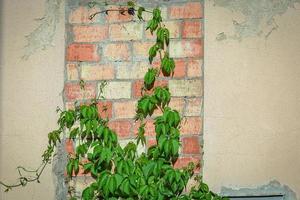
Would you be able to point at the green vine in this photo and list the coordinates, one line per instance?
(120, 173)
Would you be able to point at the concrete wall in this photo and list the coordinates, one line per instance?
(30, 92)
(251, 103)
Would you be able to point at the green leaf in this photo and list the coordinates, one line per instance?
(152, 53)
(140, 13)
(130, 4)
(87, 193)
(70, 166)
(76, 166)
(149, 78)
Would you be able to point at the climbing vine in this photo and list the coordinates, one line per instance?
(120, 172)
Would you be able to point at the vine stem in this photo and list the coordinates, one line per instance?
(27, 180)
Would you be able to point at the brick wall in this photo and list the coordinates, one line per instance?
(114, 48)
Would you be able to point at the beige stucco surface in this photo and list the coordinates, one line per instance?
(252, 104)
(30, 92)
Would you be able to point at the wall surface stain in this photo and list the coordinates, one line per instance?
(272, 188)
(259, 17)
(42, 36)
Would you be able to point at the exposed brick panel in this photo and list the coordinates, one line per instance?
(186, 48)
(149, 127)
(124, 109)
(121, 127)
(194, 68)
(181, 88)
(117, 16)
(191, 145)
(97, 72)
(81, 15)
(193, 107)
(117, 90)
(174, 29)
(187, 10)
(185, 160)
(105, 109)
(96, 33)
(72, 72)
(74, 92)
(191, 125)
(192, 29)
(117, 52)
(69, 146)
(126, 31)
(138, 85)
(82, 52)
(141, 49)
(136, 70)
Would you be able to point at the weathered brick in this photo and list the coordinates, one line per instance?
(72, 71)
(69, 146)
(151, 142)
(191, 125)
(74, 92)
(124, 109)
(82, 52)
(117, 52)
(192, 29)
(126, 31)
(138, 85)
(114, 16)
(94, 33)
(135, 70)
(174, 29)
(194, 68)
(193, 107)
(187, 10)
(185, 160)
(190, 145)
(186, 87)
(117, 90)
(175, 103)
(149, 127)
(141, 49)
(180, 68)
(121, 127)
(82, 15)
(97, 72)
(70, 105)
(104, 109)
(186, 48)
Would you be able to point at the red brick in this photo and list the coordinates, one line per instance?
(191, 125)
(186, 48)
(74, 92)
(121, 127)
(139, 84)
(188, 10)
(69, 146)
(194, 68)
(190, 145)
(114, 16)
(118, 51)
(149, 127)
(95, 33)
(180, 68)
(172, 26)
(193, 107)
(82, 15)
(151, 142)
(184, 161)
(124, 109)
(82, 52)
(104, 109)
(192, 29)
